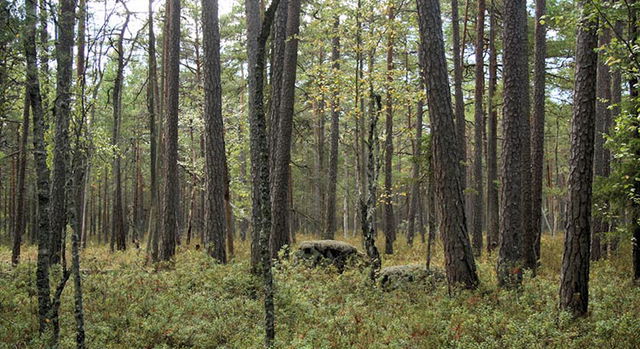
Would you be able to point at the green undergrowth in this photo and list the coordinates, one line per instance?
(195, 302)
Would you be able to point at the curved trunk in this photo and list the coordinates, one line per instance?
(459, 263)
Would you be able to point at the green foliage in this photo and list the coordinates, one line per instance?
(202, 304)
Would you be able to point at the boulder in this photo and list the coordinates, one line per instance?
(399, 275)
(328, 252)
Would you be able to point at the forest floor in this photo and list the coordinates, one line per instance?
(195, 302)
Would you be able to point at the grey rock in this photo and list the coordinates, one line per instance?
(400, 275)
(328, 252)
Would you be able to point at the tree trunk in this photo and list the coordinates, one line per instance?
(635, 207)
(42, 170)
(574, 283)
(330, 226)
(153, 110)
(79, 177)
(253, 30)
(515, 79)
(368, 202)
(280, 236)
(118, 221)
(529, 258)
(214, 131)
(21, 192)
(277, 68)
(318, 110)
(537, 127)
(228, 211)
(260, 153)
(601, 154)
(478, 197)
(417, 154)
(616, 100)
(389, 218)
(62, 112)
(457, 85)
(459, 263)
(493, 224)
(171, 192)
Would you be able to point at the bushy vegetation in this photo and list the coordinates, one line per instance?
(196, 302)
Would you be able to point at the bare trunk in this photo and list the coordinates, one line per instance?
(62, 112)
(260, 156)
(214, 131)
(509, 268)
(152, 109)
(118, 221)
(280, 236)
(574, 283)
(21, 190)
(415, 203)
(171, 192)
(389, 217)
(330, 226)
(537, 128)
(478, 197)
(601, 153)
(457, 85)
(459, 263)
(492, 139)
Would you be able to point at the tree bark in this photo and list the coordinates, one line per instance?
(21, 190)
(417, 154)
(368, 202)
(574, 280)
(119, 239)
(459, 263)
(330, 226)
(493, 224)
(537, 127)
(280, 236)
(601, 154)
(515, 79)
(153, 110)
(277, 68)
(260, 157)
(252, 8)
(529, 258)
(389, 217)
(171, 192)
(318, 110)
(616, 100)
(478, 197)
(457, 85)
(214, 131)
(62, 112)
(634, 92)
(79, 178)
(42, 170)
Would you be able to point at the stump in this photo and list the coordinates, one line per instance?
(399, 275)
(328, 252)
